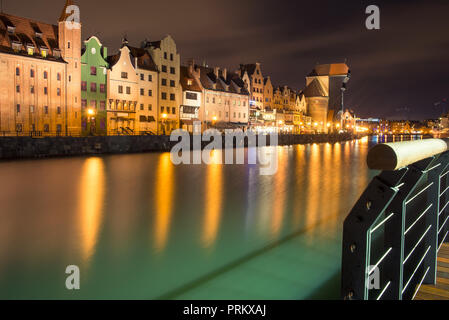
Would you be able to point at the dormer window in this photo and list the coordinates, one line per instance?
(11, 29)
(189, 82)
(16, 46)
(30, 50)
(57, 53)
(44, 53)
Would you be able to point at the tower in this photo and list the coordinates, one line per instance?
(69, 26)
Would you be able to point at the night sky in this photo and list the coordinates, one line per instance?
(398, 72)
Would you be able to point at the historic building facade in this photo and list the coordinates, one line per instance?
(94, 70)
(167, 59)
(40, 75)
(225, 98)
(191, 108)
(255, 86)
(122, 87)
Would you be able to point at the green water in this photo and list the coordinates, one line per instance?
(140, 228)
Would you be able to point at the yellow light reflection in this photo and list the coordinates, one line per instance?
(214, 198)
(279, 193)
(92, 190)
(164, 200)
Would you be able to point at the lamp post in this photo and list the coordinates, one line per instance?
(164, 120)
(91, 117)
(343, 89)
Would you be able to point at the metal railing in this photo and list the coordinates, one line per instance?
(392, 236)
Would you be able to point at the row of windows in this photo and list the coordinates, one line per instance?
(19, 127)
(172, 96)
(33, 109)
(227, 102)
(33, 73)
(172, 69)
(93, 104)
(166, 56)
(257, 90)
(142, 77)
(172, 83)
(142, 107)
(167, 110)
(227, 115)
(32, 90)
(93, 87)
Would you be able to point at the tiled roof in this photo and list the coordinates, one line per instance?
(314, 89)
(332, 69)
(230, 84)
(25, 32)
(144, 59)
(184, 81)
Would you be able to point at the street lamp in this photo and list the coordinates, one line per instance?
(343, 89)
(164, 120)
(91, 118)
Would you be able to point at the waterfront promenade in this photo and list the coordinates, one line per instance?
(12, 148)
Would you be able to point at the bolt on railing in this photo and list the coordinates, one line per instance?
(392, 236)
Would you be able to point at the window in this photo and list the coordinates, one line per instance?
(19, 127)
(45, 90)
(164, 68)
(93, 71)
(102, 88)
(58, 128)
(213, 100)
(18, 108)
(172, 97)
(124, 75)
(83, 103)
(172, 83)
(162, 109)
(93, 87)
(93, 104)
(150, 107)
(120, 89)
(68, 44)
(141, 107)
(191, 96)
(171, 56)
(83, 85)
(150, 78)
(32, 89)
(164, 96)
(17, 71)
(18, 89)
(172, 70)
(70, 78)
(46, 110)
(30, 51)
(45, 75)
(173, 110)
(31, 73)
(168, 110)
(142, 77)
(46, 128)
(58, 92)
(165, 55)
(164, 82)
(102, 105)
(150, 93)
(31, 109)
(128, 90)
(58, 110)
(142, 92)
(58, 77)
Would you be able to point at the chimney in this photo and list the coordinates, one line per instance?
(216, 70)
(191, 64)
(225, 73)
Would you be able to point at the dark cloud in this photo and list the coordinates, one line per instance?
(403, 66)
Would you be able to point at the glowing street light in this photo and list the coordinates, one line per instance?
(91, 112)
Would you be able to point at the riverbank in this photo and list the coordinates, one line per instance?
(15, 148)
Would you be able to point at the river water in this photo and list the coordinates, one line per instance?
(139, 227)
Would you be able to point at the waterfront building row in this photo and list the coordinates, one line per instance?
(53, 84)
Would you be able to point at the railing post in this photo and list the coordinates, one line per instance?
(433, 198)
(395, 229)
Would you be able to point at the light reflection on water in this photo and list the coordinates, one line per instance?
(143, 228)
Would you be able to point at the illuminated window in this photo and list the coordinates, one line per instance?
(44, 53)
(17, 71)
(30, 51)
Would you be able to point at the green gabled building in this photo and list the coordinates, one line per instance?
(94, 92)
